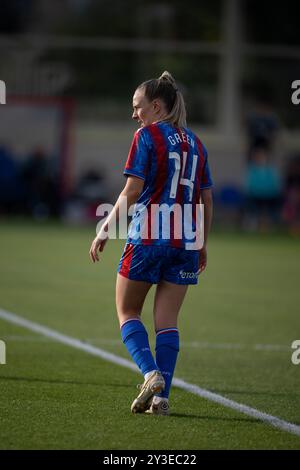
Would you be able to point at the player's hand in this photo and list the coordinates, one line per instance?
(202, 259)
(97, 245)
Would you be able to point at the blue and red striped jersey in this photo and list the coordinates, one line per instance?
(173, 163)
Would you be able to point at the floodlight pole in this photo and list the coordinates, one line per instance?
(230, 68)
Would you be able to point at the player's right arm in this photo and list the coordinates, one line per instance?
(131, 192)
(135, 171)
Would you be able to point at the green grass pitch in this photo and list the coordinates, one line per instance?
(236, 330)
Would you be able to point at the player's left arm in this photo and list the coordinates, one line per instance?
(131, 191)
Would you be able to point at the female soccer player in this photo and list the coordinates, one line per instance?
(167, 175)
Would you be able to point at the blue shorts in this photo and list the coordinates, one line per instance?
(152, 263)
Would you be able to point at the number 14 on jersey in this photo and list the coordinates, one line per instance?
(185, 181)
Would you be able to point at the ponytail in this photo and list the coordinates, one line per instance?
(166, 89)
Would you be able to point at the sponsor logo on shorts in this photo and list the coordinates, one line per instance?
(188, 275)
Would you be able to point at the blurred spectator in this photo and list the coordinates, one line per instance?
(291, 205)
(10, 188)
(15, 15)
(228, 205)
(262, 123)
(90, 191)
(40, 185)
(92, 187)
(263, 191)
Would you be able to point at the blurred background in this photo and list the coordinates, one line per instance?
(71, 68)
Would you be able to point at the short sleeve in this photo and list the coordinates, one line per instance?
(206, 181)
(138, 157)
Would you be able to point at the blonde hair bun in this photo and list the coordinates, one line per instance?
(168, 77)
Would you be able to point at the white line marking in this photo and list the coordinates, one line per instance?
(26, 338)
(75, 343)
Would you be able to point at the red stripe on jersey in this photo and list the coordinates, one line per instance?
(132, 152)
(161, 174)
(175, 242)
(198, 176)
(198, 181)
(127, 258)
(199, 170)
(203, 180)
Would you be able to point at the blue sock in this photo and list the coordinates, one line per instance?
(135, 338)
(167, 348)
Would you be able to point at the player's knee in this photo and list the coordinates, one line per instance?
(127, 315)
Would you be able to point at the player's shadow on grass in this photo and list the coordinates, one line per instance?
(64, 382)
